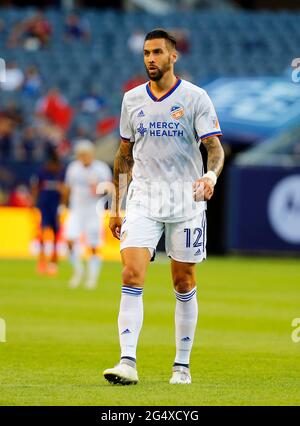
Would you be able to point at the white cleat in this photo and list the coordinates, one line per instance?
(122, 374)
(181, 376)
(76, 279)
(91, 283)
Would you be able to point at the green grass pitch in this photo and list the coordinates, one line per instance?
(59, 340)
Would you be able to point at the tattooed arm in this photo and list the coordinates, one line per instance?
(122, 175)
(215, 154)
(204, 187)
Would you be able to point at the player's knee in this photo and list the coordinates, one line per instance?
(183, 283)
(131, 275)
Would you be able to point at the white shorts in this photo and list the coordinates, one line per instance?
(184, 241)
(83, 223)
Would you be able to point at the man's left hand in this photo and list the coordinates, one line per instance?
(203, 189)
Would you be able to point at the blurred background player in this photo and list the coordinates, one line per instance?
(82, 178)
(46, 191)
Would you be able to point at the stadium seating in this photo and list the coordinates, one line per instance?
(231, 43)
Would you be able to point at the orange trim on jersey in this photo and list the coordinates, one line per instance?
(211, 136)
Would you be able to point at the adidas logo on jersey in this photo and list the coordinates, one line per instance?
(127, 331)
(199, 251)
(141, 113)
(185, 339)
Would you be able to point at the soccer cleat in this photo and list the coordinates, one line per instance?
(91, 283)
(121, 374)
(76, 279)
(52, 269)
(42, 267)
(181, 376)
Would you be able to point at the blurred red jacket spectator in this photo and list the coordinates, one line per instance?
(20, 197)
(56, 108)
(107, 126)
(133, 82)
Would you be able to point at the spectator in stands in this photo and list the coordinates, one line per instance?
(28, 144)
(14, 77)
(13, 112)
(10, 118)
(182, 40)
(55, 108)
(136, 41)
(92, 102)
(76, 28)
(134, 81)
(20, 197)
(5, 141)
(82, 131)
(32, 33)
(33, 81)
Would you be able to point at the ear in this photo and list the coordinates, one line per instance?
(174, 57)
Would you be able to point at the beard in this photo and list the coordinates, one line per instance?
(158, 73)
(155, 76)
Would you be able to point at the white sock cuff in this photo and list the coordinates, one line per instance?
(185, 297)
(132, 291)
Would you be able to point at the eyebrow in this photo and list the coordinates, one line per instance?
(158, 49)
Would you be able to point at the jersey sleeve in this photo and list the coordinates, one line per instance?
(126, 132)
(206, 120)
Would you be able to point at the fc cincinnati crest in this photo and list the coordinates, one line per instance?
(177, 112)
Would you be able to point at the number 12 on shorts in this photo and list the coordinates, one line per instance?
(195, 235)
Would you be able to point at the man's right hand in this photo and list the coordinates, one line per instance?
(115, 223)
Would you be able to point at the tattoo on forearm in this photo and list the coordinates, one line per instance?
(122, 168)
(123, 162)
(215, 154)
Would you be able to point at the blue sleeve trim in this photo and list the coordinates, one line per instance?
(125, 139)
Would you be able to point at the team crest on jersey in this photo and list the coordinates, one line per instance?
(177, 112)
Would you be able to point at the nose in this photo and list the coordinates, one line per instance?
(150, 59)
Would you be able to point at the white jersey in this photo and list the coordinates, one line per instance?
(167, 133)
(81, 181)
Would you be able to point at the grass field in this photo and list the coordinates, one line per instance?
(59, 340)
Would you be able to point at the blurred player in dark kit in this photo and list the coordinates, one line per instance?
(46, 191)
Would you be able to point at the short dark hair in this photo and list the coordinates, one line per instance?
(161, 33)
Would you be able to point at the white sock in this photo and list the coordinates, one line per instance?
(94, 266)
(130, 320)
(76, 261)
(186, 314)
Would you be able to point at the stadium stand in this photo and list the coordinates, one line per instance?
(231, 43)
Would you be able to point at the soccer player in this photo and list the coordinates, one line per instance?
(47, 191)
(82, 178)
(162, 124)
